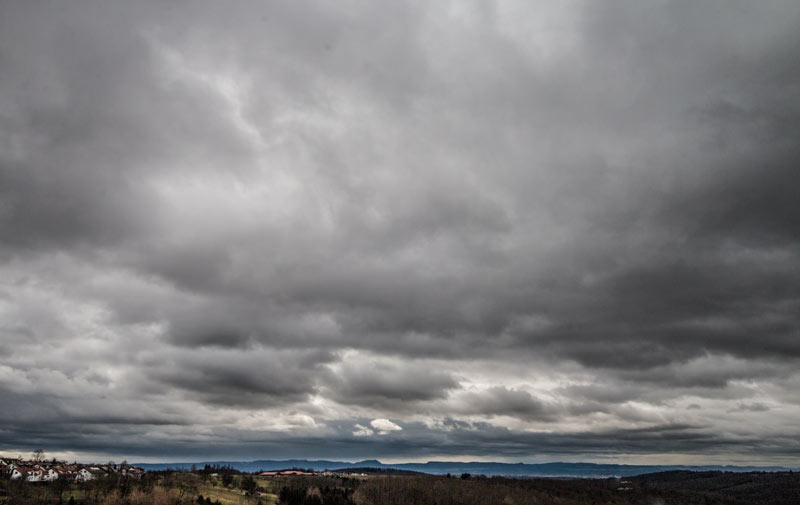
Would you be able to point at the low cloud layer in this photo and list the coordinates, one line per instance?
(400, 230)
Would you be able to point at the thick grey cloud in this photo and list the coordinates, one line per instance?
(509, 230)
(502, 401)
(365, 383)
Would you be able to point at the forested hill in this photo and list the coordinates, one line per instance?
(478, 468)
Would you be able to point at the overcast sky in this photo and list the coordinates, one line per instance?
(400, 230)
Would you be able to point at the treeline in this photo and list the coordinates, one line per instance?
(301, 495)
(430, 490)
(775, 488)
(478, 490)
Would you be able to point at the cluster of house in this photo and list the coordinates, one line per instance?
(279, 473)
(326, 473)
(45, 471)
(625, 485)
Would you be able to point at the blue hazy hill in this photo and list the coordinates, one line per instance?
(475, 467)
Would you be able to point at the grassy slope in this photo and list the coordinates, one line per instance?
(234, 496)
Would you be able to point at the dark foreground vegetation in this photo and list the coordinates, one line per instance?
(775, 488)
(224, 486)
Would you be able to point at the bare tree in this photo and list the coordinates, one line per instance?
(38, 455)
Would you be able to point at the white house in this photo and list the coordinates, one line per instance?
(84, 475)
(34, 475)
(50, 475)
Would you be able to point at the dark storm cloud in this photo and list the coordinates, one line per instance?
(256, 377)
(275, 221)
(502, 401)
(382, 384)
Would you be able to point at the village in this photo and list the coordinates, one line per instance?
(39, 470)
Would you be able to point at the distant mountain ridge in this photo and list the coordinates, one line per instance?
(473, 467)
